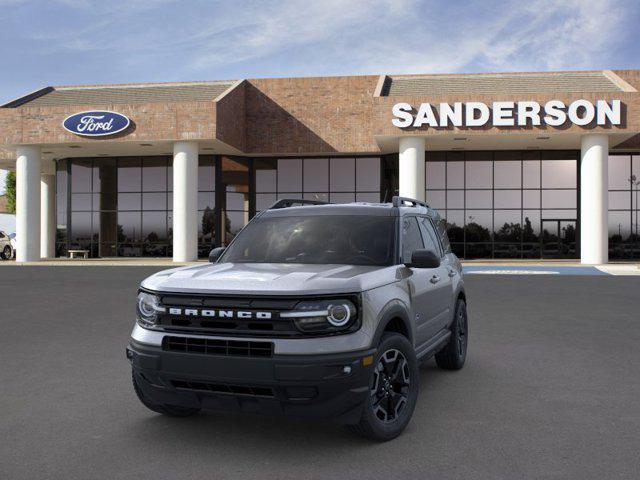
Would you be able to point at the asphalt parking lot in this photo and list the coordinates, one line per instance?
(551, 390)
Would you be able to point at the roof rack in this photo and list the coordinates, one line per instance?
(290, 202)
(401, 201)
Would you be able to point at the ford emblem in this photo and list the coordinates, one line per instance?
(96, 123)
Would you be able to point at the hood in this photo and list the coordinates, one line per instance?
(269, 278)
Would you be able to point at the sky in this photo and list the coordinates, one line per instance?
(71, 42)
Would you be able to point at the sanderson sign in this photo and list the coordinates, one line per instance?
(96, 123)
(507, 114)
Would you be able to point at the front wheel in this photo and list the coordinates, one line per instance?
(453, 356)
(6, 252)
(393, 390)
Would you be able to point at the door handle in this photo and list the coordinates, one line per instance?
(435, 279)
(452, 273)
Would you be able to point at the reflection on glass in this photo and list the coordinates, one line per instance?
(559, 173)
(531, 174)
(322, 197)
(531, 198)
(266, 175)
(80, 230)
(367, 174)
(507, 199)
(129, 201)
(129, 174)
(81, 175)
(342, 174)
(559, 199)
(478, 174)
(478, 198)
(154, 201)
(154, 174)
(455, 174)
(154, 227)
(619, 172)
(436, 199)
(507, 174)
(289, 175)
(455, 225)
(316, 174)
(342, 197)
(369, 197)
(129, 227)
(206, 173)
(205, 199)
(478, 226)
(455, 198)
(264, 200)
(81, 202)
(435, 173)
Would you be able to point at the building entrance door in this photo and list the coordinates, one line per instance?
(558, 238)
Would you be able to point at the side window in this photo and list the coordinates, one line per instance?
(1, 235)
(441, 225)
(411, 238)
(429, 236)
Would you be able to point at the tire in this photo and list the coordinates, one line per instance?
(7, 253)
(393, 390)
(454, 354)
(169, 410)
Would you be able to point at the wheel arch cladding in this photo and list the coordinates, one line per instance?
(394, 319)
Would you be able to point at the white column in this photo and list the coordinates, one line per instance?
(185, 201)
(28, 204)
(411, 165)
(594, 199)
(48, 211)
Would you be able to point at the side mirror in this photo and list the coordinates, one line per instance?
(424, 259)
(215, 254)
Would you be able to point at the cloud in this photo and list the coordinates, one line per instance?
(156, 40)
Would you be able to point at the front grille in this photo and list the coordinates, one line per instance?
(248, 390)
(208, 346)
(272, 327)
(184, 314)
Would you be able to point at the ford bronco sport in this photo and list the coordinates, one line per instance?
(315, 310)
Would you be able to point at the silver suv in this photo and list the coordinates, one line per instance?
(317, 310)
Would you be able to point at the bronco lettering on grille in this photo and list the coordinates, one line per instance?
(242, 314)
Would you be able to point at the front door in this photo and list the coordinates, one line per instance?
(558, 238)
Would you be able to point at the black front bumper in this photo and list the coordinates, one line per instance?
(312, 386)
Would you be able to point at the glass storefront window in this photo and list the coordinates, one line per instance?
(493, 201)
(342, 173)
(624, 198)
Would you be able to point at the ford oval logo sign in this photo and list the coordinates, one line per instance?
(96, 123)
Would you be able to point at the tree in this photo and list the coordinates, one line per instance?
(10, 188)
(208, 222)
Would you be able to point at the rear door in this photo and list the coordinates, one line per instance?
(443, 288)
(423, 283)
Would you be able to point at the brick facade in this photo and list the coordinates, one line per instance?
(291, 116)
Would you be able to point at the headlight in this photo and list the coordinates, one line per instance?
(148, 307)
(323, 316)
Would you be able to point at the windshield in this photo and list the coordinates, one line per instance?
(348, 239)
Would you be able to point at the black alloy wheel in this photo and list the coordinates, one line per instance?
(393, 390)
(454, 354)
(391, 383)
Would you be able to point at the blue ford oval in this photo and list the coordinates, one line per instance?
(96, 123)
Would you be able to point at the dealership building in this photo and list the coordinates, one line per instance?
(522, 165)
